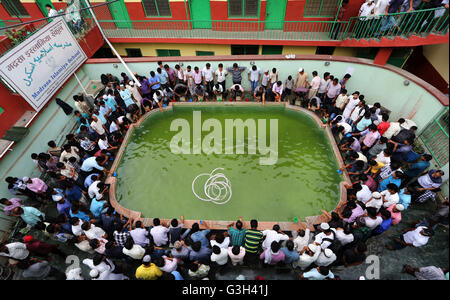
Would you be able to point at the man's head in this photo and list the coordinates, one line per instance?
(236, 250)
(239, 225)
(254, 224)
(208, 65)
(156, 222)
(275, 246)
(216, 249)
(196, 246)
(426, 157)
(48, 7)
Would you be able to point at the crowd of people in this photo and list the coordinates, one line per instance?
(386, 174)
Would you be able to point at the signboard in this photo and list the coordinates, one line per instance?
(41, 64)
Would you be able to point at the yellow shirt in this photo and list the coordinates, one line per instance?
(148, 273)
(376, 168)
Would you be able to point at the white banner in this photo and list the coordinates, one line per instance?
(41, 64)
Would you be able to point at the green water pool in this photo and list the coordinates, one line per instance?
(153, 180)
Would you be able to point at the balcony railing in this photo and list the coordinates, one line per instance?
(420, 23)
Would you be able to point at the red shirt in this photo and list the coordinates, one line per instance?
(383, 126)
(39, 248)
(371, 184)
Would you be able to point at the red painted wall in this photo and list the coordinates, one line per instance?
(14, 107)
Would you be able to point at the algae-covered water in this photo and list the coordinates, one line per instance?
(158, 183)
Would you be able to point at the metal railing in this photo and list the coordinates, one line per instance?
(420, 23)
(435, 137)
(405, 24)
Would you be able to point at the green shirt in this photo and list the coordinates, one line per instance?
(237, 236)
(253, 238)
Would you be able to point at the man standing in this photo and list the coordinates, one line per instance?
(221, 76)
(252, 242)
(237, 234)
(314, 85)
(254, 75)
(236, 72)
(208, 78)
(332, 93)
(302, 79)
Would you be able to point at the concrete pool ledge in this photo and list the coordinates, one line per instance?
(309, 222)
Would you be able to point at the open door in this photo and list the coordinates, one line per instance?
(119, 13)
(41, 4)
(200, 14)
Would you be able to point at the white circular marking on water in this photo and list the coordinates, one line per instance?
(217, 188)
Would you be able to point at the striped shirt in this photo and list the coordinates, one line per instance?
(253, 239)
(237, 236)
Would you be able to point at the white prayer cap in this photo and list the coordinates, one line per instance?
(147, 259)
(362, 278)
(131, 82)
(376, 195)
(312, 247)
(57, 198)
(266, 71)
(121, 85)
(328, 252)
(105, 97)
(240, 277)
(400, 207)
(324, 226)
(300, 70)
(25, 179)
(94, 273)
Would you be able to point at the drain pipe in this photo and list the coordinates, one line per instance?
(110, 45)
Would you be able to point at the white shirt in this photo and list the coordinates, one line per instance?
(347, 127)
(113, 127)
(426, 182)
(414, 237)
(376, 203)
(272, 235)
(103, 144)
(301, 242)
(52, 13)
(94, 232)
(365, 194)
(222, 258)
(323, 261)
(323, 85)
(305, 260)
(393, 130)
(372, 223)
(254, 75)
(344, 238)
(320, 236)
(98, 126)
(265, 80)
(389, 198)
(170, 265)
(159, 234)
(359, 111)
(101, 267)
(94, 191)
(221, 75)
(208, 73)
(137, 252)
(383, 159)
(140, 236)
(16, 250)
(380, 8)
(224, 244)
(181, 74)
(76, 229)
(315, 83)
(366, 9)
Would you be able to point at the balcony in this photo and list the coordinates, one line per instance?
(414, 26)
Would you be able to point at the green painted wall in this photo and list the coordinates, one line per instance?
(410, 101)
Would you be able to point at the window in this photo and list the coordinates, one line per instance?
(244, 49)
(321, 8)
(243, 8)
(325, 50)
(267, 50)
(204, 53)
(167, 52)
(435, 137)
(1, 110)
(156, 8)
(133, 52)
(15, 8)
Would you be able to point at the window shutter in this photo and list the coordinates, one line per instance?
(235, 7)
(14, 7)
(163, 7)
(251, 7)
(150, 7)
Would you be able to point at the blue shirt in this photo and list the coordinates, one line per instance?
(101, 117)
(73, 194)
(290, 256)
(89, 164)
(88, 181)
(390, 179)
(363, 123)
(201, 236)
(80, 215)
(111, 103)
(155, 79)
(405, 199)
(417, 168)
(126, 96)
(202, 256)
(383, 226)
(163, 76)
(177, 275)
(64, 208)
(96, 207)
(31, 215)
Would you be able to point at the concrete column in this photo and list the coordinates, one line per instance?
(382, 56)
